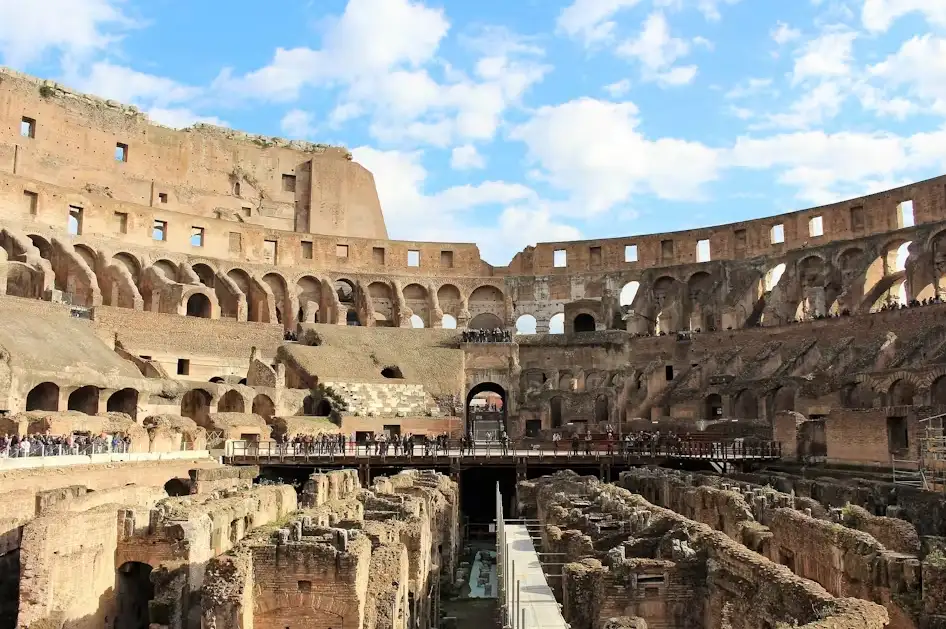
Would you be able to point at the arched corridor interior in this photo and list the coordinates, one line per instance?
(133, 592)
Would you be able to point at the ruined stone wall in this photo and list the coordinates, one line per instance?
(744, 589)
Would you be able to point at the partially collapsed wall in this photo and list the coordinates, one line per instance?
(352, 558)
(628, 558)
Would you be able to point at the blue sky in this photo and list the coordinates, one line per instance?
(511, 123)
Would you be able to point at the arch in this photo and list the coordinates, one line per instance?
(485, 321)
(713, 406)
(783, 399)
(309, 293)
(601, 409)
(583, 323)
(196, 405)
(87, 254)
(166, 268)
(45, 249)
(488, 414)
(629, 293)
(382, 301)
(417, 322)
(323, 408)
(345, 289)
(278, 286)
(391, 372)
(902, 393)
(746, 405)
(218, 379)
(448, 322)
(123, 401)
(177, 487)
(938, 391)
(773, 276)
(351, 318)
(264, 407)
(133, 593)
(85, 400)
(206, 274)
(857, 395)
(487, 293)
(555, 411)
(198, 305)
(43, 397)
(130, 262)
(557, 323)
(525, 324)
(231, 402)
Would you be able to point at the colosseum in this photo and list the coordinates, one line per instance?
(230, 401)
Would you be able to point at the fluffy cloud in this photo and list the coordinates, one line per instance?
(298, 124)
(590, 20)
(618, 88)
(451, 215)
(71, 27)
(783, 34)
(920, 66)
(593, 150)
(879, 15)
(657, 51)
(828, 55)
(182, 117)
(466, 157)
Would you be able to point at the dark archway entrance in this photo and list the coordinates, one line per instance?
(85, 400)
(124, 401)
(486, 410)
(196, 405)
(178, 487)
(43, 397)
(714, 407)
(264, 407)
(231, 402)
(584, 323)
(134, 591)
(198, 305)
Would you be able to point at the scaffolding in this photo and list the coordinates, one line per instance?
(928, 470)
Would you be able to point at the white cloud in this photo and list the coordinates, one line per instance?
(590, 20)
(182, 117)
(829, 167)
(449, 216)
(879, 15)
(71, 27)
(828, 55)
(298, 124)
(593, 150)
(814, 107)
(748, 88)
(783, 34)
(618, 88)
(657, 51)
(920, 66)
(126, 85)
(466, 157)
(710, 8)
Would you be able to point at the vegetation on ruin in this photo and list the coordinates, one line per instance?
(46, 92)
(320, 393)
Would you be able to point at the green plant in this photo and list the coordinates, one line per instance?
(46, 92)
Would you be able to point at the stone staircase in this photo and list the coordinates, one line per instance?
(386, 400)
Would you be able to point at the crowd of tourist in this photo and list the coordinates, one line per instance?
(496, 335)
(15, 446)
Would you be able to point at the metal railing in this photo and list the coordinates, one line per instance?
(38, 449)
(729, 450)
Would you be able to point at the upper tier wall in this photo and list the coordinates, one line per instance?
(234, 187)
(57, 136)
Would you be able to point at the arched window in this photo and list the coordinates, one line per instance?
(198, 305)
(584, 323)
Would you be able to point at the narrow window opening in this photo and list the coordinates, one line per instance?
(594, 256)
(247, 210)
(905, 215)
(75, 220)
(377, 255)
(269, 251)
(121, 223)
(446, 259)
(777, 235)
(703, 251)
(341, 251)
(32, 201)
(121, 152)
(27, 127)
(236, 242)
(666, 251)
(236, 188)
(857, 218)
(306, 250)
(630, 253)
(413, 258)
(162, 197)
(159, 231)
(560, 259)
(197, 236)
(897, 436)
(183, 367)
(668, 372)
(816, 227)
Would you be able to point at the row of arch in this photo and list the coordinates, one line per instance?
(85, 399)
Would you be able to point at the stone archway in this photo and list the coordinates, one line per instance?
(264, 407)
(85, 400)
(231, 402)
(583, 323)
(134, 592)
(486, 410)
(124, 401)
(43, 397)
(196, 405)
(198, 305)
